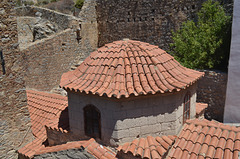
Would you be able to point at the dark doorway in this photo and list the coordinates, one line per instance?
(92, 121)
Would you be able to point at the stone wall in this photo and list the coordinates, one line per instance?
(89, 27)
(46, 60)
(126, 119)
(37, 23)
(14, 116)
(212, 90)
(25, 30)
(148, 21)
(64, 21)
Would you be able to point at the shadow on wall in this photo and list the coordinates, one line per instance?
(212, 90)
(64, 120)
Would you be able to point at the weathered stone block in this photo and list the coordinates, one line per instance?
(134, 132)
(142, 121)
(122, 133)
(170, 117)
(124, 140)
(147, 129)
(152, 120)
(168, 126)
(160, 118)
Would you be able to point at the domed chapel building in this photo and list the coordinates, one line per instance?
(129, 89)
(128, 99)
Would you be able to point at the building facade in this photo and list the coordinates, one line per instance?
(129, 89)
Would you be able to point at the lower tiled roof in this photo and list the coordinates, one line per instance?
(149, 147)
(31, 148)
(206, 139)
(43, 109)
(69, 145)
(97, 150)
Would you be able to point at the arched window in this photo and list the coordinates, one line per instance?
(186, 107)
(92, 121)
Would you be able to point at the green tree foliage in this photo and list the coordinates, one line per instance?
(206, 43)
(79, 4)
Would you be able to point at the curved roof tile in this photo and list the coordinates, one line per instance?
(206, 139)
(128, 67)
(148, 148)
(43, 109)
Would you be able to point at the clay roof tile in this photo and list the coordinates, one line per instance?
(149, 147)
(151, 71)
(207, 139)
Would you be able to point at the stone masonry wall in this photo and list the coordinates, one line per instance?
(41, 20)
(46, 60)
(89, 27)
(25, 32)
(126, 119)
(64, 21)
(14, 116)
(146, 20)
(212, 90)
(149, 21)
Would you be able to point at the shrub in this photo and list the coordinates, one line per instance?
(204, 44)
(79, 4)
(18, 3)
(28, 3)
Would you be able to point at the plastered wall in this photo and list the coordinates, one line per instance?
(125, 119)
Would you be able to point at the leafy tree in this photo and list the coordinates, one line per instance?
(79, 4)
(206, 43)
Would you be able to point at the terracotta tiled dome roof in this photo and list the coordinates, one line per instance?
(128, 67)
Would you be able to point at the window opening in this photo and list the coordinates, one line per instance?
(186, 108)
